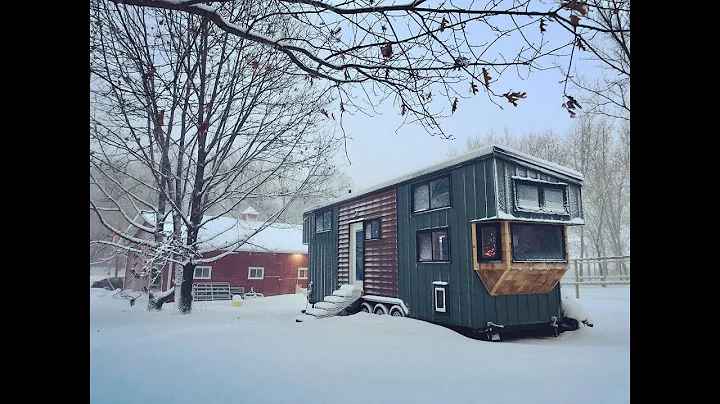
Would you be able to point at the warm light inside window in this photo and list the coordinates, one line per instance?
(489, 242)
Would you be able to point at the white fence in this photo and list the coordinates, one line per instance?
(600, 271)
(208, 291)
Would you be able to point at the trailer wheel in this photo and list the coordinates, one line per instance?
(397, 311)
(366, 307)
(380, 309)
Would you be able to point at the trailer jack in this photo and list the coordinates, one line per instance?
(554, 324)
(491, 334)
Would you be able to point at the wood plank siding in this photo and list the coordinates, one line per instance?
(380, 256)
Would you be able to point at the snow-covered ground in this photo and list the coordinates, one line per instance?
(256, 353)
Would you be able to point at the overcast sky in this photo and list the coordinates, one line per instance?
(379, 151)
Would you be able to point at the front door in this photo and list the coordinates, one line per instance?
(357, 245)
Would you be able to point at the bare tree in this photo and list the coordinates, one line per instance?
(211, 118)
(607, 94)
(321, 188)
(409, 52)
(546, 145)
(602, 152)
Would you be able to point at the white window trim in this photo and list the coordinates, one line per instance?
(444, 301)
(203, 277)
(250, 272)
(300, 269)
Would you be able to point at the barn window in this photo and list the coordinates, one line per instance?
(372, 229)
(440, 296)
(433, 194)
(256, 273)
(433, 245)
(540, 196)
(302, 273)
(202, 272)
(323, 221)
(538, 242)
(488, 242)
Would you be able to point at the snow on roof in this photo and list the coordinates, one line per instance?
(220, 232)
(508, 216)
(474, 154)
(276, 237)
(250, 211)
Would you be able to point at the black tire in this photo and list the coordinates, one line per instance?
(397, 311)
(380, 309)
(366, 307)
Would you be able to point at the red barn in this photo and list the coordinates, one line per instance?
(272, 260)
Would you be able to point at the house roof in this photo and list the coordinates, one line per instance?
(221, 233)
(476, 154)
(276, 237)
(250, 211)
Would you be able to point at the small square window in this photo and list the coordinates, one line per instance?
(306, 228)
(432, 194)
(421, 198)
(433, 246)
(540, 196)
(440, 193)
(554, 199)
(372, 229)
(256, 273)
(323, 221)
(202, 272)
(302, 273)
(439, 299)
(488, 242)
(528, 196)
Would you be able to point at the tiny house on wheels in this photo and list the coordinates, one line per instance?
(477, 243)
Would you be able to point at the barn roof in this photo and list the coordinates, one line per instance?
(476, 154)
(221, 233)
(276, 237)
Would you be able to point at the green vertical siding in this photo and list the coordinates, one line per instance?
(474, 194)
(322, 258)
(506, 169)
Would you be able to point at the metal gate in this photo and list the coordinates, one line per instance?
(206, 291)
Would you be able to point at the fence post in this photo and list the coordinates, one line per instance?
(577, 282)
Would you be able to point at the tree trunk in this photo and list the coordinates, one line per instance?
(158, 302)
(184, 302)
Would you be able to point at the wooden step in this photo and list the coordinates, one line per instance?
(343, 292)
(334, 299)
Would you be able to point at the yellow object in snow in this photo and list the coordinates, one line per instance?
(237, 303)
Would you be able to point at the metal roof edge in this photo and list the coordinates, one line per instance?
(473, 155)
